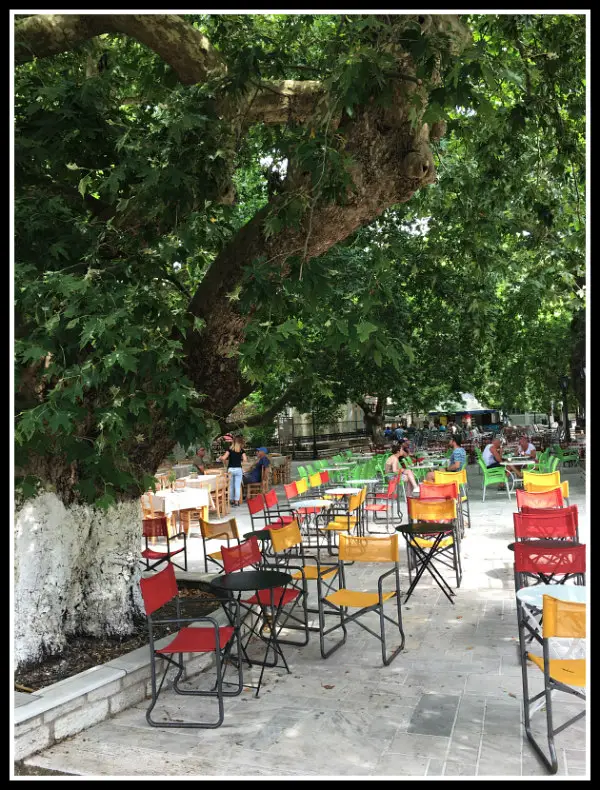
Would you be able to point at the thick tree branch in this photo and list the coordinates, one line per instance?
(172, 38)
(282, 101)
(266, 416)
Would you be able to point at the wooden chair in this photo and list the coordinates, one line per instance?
(149, 512)
(220, 495)
(252, 489)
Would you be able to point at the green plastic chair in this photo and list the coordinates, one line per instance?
(491, 477)
(302, 471)
(565, 458)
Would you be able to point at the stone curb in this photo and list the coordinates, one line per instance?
(74, 704)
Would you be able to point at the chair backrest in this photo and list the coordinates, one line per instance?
(315, 480)
(155, 527)
(558, 523)
(540, 499)
(270, 499)
(564, 488)
(237, 557)
(219, 529)
(179, 484)
(290, 489)
(302, 471)
(541, 480)
(256, 504)
(324, 477)
(392, 486)
(286, 537)
(301, 486)
(369, 549)
(158, 589)
(555, 560)
(431, 509)
(354, 502)
(146, 502)
(310, 469)
(565, 619)
(460, 477)
(439, 490)
(572, 509)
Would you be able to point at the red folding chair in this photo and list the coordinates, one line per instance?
(159, 590)
(548, 564)
(551, 524)
(540, 499)
(383, 502)
(158, 528)
(277, 515)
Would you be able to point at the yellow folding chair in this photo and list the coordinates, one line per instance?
(559, 619)
(440, 476)
(368, 549)
(314, 481)
(301, 486)
(288, 555)
(346, 520)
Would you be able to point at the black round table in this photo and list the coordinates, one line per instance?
(242, 581)
(255, 581)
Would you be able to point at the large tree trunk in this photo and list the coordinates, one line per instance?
(76, 572)
(374, 419)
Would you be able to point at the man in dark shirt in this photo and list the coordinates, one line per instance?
(255, 474)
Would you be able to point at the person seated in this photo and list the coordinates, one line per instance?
(392, 466)
(200, 460)
(458, 459)
(525, 449)
(492, 456)
(262, 462)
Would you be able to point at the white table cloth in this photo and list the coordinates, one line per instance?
(340, 491)
(184, 499)
(202, 481)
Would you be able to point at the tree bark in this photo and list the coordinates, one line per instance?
(76, 572)
(374, 421)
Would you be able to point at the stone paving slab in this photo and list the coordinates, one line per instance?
(448, 705)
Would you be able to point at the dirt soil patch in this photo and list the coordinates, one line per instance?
(84, 652)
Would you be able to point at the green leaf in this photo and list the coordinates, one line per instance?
(364, 329)
(409, 351)
(83, 185)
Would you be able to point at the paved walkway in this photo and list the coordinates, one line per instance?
(448, 705)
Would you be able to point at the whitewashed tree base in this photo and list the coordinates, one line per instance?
(77, 571)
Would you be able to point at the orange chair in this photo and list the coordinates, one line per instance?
(552, 498)
(433, 533)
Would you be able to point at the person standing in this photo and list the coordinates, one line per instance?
(235, 457)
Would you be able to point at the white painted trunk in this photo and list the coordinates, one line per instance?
(77, 571)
